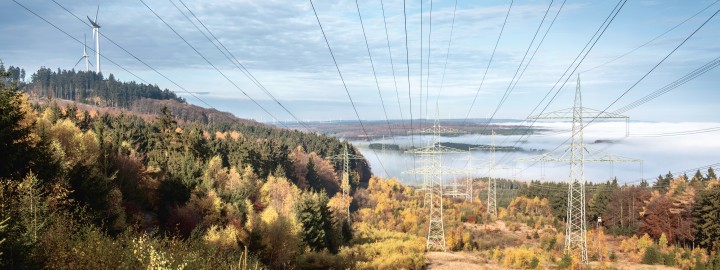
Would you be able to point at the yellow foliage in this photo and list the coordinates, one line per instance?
(78, 147)
(644, 242)
(154, 258)
(629, 244)
(502, 213)
(252, 222)
(526, 206)
(597, 244)
(280, 194)
(382, 249)
(521, 257)
(663, 242)
(339, 206)
(225, 237)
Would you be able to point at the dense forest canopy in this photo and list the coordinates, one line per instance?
(86, 87)
(69, 175)
(87, 187)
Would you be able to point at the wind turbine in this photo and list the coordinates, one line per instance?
(85, 56)
(96, 36)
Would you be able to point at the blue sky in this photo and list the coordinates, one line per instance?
(281, 44)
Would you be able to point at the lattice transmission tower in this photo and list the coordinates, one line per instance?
(433, 172)
(345, 157)
(579, 154)
(492, 181)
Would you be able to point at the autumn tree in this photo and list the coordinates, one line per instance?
(669, 213)
(706, 216)
(280, 239)
(623, 210)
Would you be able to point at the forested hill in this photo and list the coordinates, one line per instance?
(46, 86)
(75, 175)
(88, 87)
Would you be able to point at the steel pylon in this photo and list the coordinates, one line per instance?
(345, 157)
(432, 174)
(492, 181)
(579, 154)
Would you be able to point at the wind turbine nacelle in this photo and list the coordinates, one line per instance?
(95, 25)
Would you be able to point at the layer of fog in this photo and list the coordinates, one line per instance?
(658, 154)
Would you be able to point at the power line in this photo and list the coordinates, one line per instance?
(372, 64)
(652, 40)
(509, 89)
(422, 53)
(653, 68)
(407, 62)
(427, 78)
(447, 54)
(236, 62)
(591, 43)
(679, 133)
(210, 63)
(116, 44)
(675, 84)
(392, 65)
(489, 62)
(344, 84)
(539, 44)
(641, 78)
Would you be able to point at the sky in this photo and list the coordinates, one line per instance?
(281, 44)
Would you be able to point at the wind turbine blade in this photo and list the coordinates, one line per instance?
(91, 64)
(96, 13)
(78, 62)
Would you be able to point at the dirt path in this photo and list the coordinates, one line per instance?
(456, 260)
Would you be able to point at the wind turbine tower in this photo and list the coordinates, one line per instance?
(96, 36)
(84, 57)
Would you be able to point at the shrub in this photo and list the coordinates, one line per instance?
(613, 256)
(521, 258)
(669, 259)
(565, 262)
(652, 255)
(534, 263)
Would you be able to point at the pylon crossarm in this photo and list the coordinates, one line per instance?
(593, 155)
(541, 158)
(436, 149)
(586, 113)
(435, 171)
(350, 156)
(438, 130)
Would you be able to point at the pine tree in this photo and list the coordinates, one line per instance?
(314, 216)
(706, 216)
(312, 177)
(698, 176)
(711, 174)
(663, 183)
(15, 142)
(598, 204)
